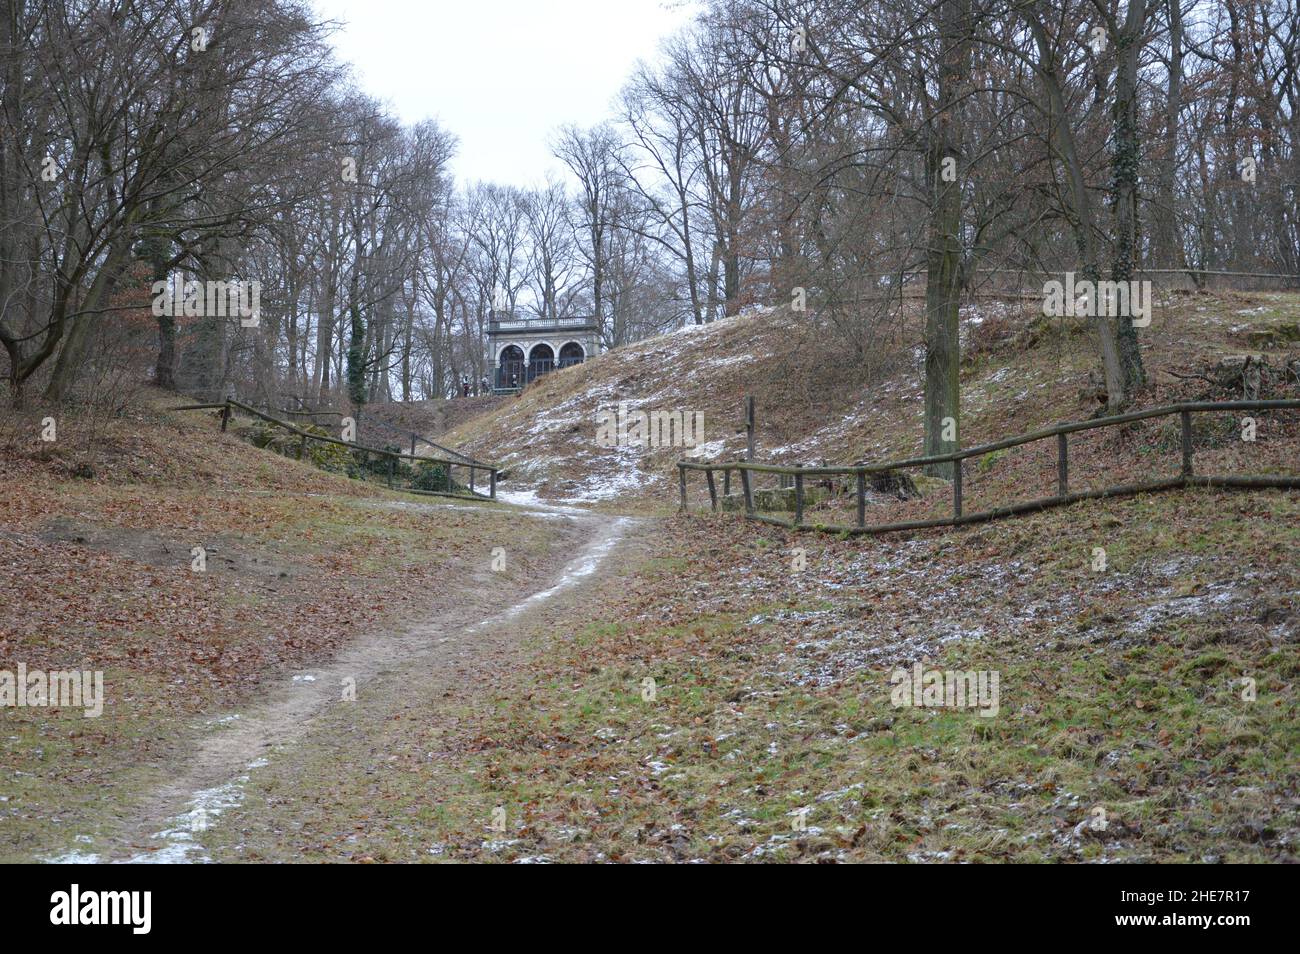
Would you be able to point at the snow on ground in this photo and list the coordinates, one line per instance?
(559, 441)
(712, 450)
(557, 457)
(618, 475)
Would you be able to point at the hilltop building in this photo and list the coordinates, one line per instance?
(522, 350)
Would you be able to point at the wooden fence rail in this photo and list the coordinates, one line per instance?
(1061, 432)
(388, 428)
(383, 453)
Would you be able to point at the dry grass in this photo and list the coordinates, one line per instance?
(771, 653)
(818, 402)
(96, 573)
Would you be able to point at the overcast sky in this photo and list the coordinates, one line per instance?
(501, 74)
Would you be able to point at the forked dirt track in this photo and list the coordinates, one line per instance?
(477, 633)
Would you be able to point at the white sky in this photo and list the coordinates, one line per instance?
(501, 74)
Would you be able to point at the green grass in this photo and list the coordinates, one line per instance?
(69, 780)
(1150, 730)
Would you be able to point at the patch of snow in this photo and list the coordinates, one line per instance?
(709, 451)
(74, 858)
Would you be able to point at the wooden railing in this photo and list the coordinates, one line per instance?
(372, 423)
(1186, 477)
(467, 464)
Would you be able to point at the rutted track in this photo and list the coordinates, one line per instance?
(446, 650)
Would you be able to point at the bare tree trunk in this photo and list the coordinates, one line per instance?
(688, 250)
(731, 259)
(1167, 244)
(324, 342)
(165, 369)
(1084, 226)
(943, 254)
(1124, 166)
(70, 358)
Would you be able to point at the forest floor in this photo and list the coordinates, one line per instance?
(353, 677)
(1124, 730)
(97, 572)
(526, 730)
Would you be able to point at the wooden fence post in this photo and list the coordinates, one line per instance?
(391, 462)
(1186, 417)
(713, 490)
(862, 499)
(302, 446)
(225, 416)
(413, 436)
(798, 497)
(1062, 465)
(726, 481)
(748, 490)
(956, 488)
(492, 483)
(471, 478)
(681, 481)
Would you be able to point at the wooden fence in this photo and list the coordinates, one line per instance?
(1186, 477)
(474, 468)
(449, 452)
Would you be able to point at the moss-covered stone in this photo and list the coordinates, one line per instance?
(927, 485)
(782, 498)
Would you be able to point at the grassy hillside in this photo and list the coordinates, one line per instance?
(429, 419)
(818, 402)
(726, 695)
(710, 693)
(719, 690)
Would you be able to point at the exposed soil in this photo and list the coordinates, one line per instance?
(467, 641)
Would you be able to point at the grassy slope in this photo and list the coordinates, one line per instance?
(1121, 689)
(816, 402)
(430, 419)
(95, 574)
(547, 437)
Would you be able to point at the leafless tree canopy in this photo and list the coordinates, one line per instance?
(837, 150)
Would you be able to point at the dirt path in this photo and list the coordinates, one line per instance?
(376, 672)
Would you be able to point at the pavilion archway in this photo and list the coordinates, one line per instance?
(510, 367)
(571, 354)
(541, 360)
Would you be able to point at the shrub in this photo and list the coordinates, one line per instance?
(430, 476)
(332, 457)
